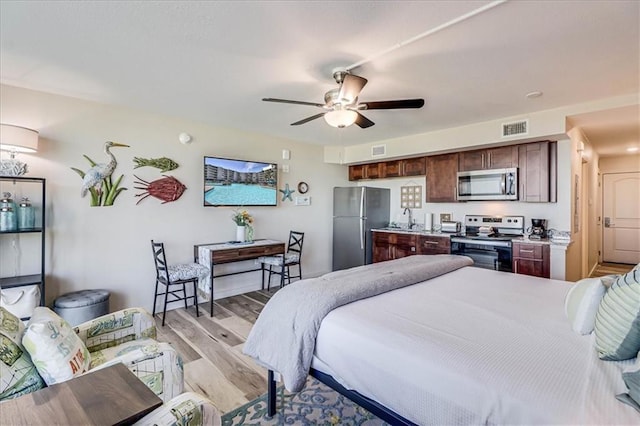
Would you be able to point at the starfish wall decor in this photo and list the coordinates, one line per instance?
(286, 193)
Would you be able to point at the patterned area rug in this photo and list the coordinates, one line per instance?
(316, 404)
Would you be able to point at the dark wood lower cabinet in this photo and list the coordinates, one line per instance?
(532, 259)
(428, 244)
(389, 245)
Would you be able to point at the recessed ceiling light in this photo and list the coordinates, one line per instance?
(633, 149)
(535, 94)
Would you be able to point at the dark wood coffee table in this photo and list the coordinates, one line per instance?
(111, 396)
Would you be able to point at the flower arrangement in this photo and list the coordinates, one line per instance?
(242, 218)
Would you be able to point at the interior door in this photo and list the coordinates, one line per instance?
(621, 211)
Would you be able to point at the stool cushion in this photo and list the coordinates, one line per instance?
(289, 258)
(80, 298)
(187, 271)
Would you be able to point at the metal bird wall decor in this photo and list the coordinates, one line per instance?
(97, 180)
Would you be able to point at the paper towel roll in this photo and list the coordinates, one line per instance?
(428, 221)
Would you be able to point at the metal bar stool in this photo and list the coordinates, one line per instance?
(283, 263)
(172, 275)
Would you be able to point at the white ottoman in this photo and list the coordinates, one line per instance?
(81, 306)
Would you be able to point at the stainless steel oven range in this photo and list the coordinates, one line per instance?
(487, 240)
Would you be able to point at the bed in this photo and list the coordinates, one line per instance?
(466, 346)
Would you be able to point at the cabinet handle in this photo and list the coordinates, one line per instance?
(432, 242)
(482, 156)
(516, 266)
(526, 251)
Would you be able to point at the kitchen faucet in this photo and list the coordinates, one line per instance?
(410, 223)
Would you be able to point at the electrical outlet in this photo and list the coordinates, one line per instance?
(285, 168)
(445, 217)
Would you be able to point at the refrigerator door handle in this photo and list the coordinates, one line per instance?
(362, 219)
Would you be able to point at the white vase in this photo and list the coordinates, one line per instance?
(240, 233)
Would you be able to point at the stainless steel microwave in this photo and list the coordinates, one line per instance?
(494, 184)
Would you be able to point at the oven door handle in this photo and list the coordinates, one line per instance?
(481, 242)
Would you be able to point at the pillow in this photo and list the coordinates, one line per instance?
(581, 304)
(631, 377)
(19, 375)
(56, 350)
(608, 280)
(618, 319)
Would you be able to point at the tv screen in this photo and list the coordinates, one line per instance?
(230, 182)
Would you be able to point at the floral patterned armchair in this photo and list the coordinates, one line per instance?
(126, 336)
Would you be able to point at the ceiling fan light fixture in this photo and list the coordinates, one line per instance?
(340, 118)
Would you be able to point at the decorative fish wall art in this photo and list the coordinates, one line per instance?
(164, 164)
(167, 189)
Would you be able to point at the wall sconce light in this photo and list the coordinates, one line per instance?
(15, 139)
(340, 118)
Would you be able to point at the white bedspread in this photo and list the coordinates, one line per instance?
(473, 346)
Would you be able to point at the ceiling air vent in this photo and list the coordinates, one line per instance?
(515, 128)
(378, 150)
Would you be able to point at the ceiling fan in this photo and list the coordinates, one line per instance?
(341, 107)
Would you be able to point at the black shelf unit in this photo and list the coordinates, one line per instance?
(30, 279)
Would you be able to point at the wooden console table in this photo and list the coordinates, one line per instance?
(110, 396)
(219, 253)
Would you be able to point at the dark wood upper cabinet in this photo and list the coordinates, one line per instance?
(365, 171)
(357, 172)
(490, 158)
(442, 178)
(373, 170)
(414, 167)
(391, 169)
(537, 172)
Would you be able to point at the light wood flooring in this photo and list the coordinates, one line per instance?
(611, 268)
(211, 348)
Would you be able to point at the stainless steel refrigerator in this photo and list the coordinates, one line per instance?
(356, 210)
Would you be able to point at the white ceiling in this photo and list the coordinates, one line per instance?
(214, 61)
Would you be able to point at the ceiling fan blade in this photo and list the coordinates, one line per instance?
(363, 121)
(287, 101)
(399, 104)
(351, 87)
(306, 120)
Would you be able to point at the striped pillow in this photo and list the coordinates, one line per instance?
(631, 377)
(618, 319)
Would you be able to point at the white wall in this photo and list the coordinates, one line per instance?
(109, 247)
(620, 164)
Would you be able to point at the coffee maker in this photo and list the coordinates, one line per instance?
(538, 229)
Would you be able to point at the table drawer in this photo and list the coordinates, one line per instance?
(527, 251)
(246, 252)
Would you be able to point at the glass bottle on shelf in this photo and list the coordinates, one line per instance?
(26, 215)
(8, 218)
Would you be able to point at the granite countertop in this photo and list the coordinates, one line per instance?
(414, 231)
(543, 241)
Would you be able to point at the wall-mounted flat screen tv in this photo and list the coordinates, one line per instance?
(230, 182)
